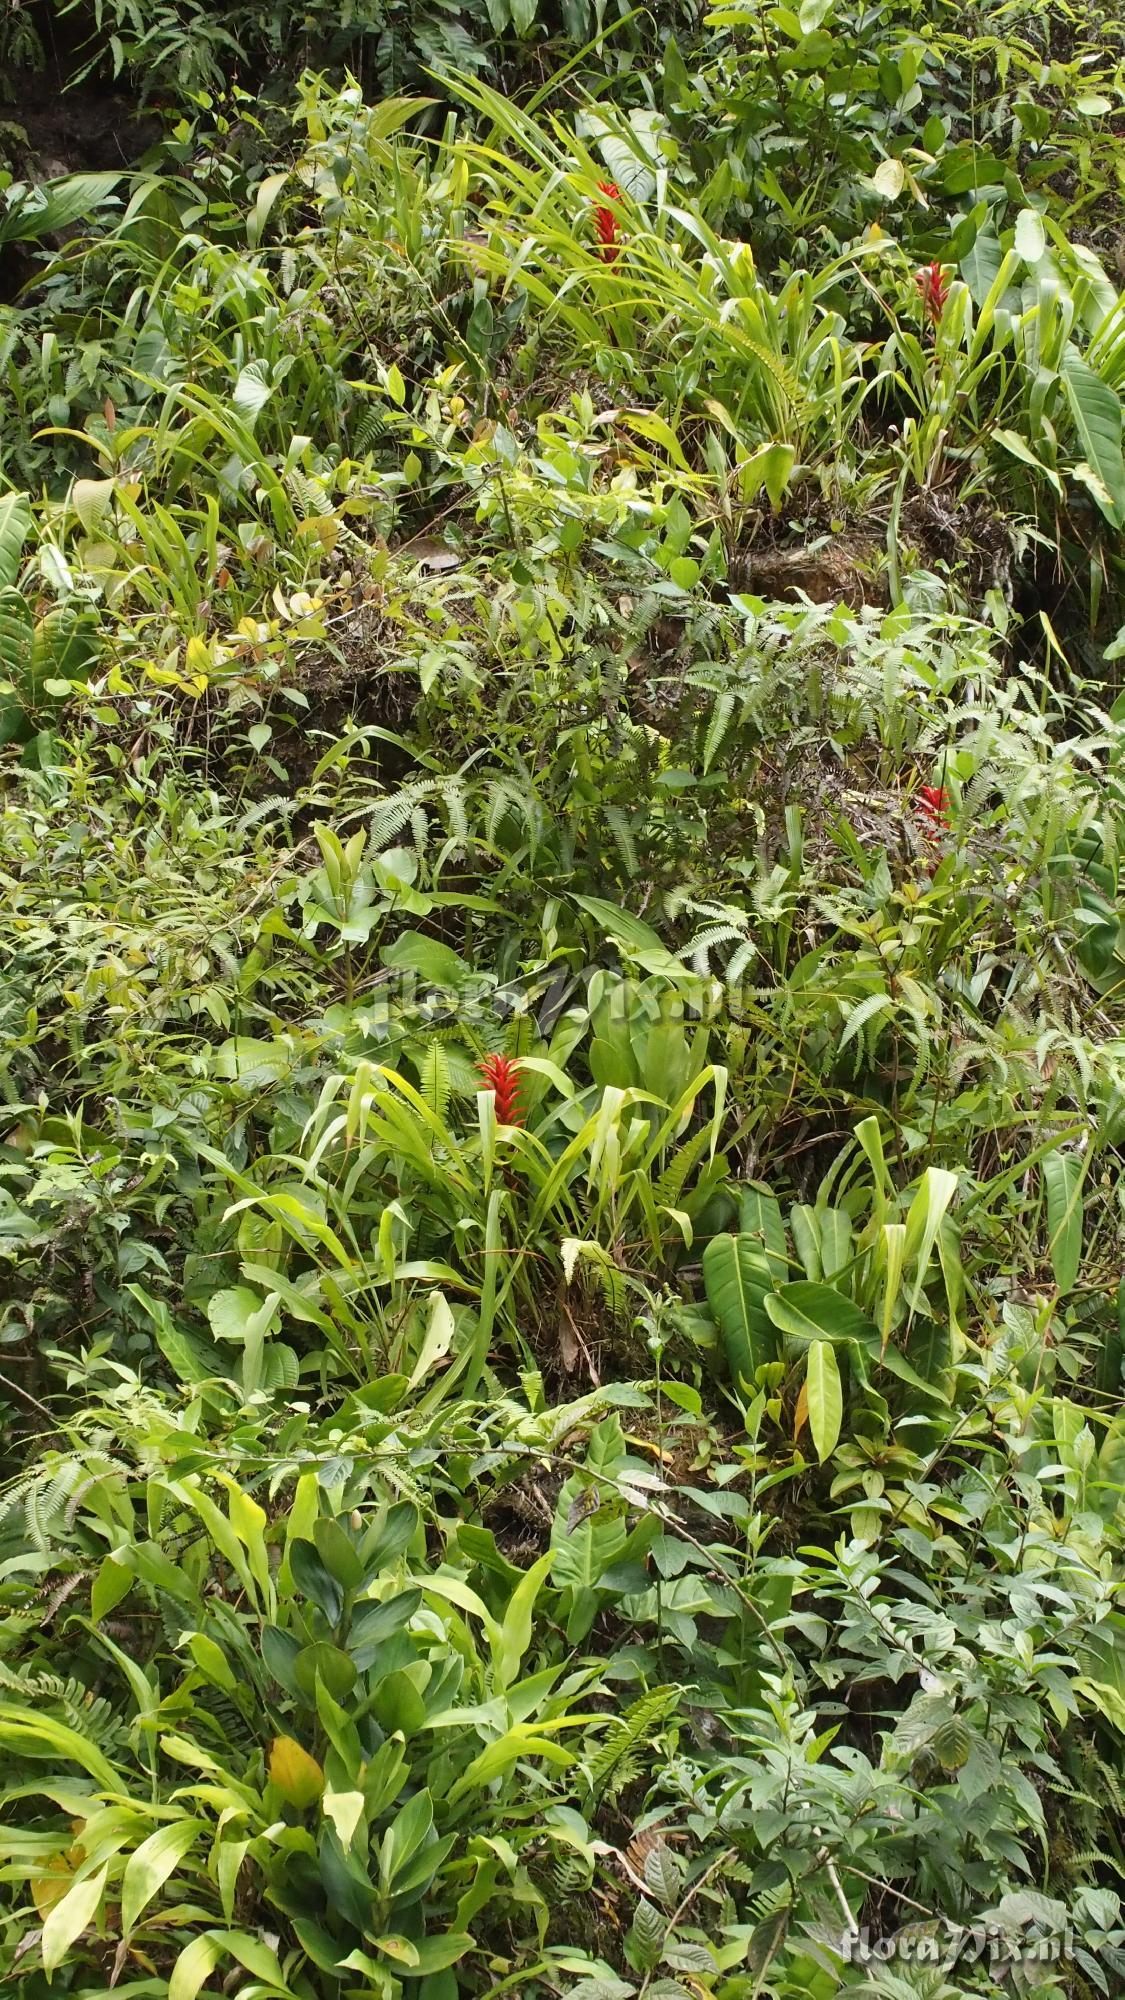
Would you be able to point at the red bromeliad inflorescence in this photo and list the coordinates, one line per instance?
(501, 1074)
(932, 807)
(931, 283)
(605, 222)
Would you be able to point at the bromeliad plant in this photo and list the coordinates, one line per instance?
(395, 1206)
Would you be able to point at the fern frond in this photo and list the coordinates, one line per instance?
(639, 1722)
(434, 1079)
(668, 1189)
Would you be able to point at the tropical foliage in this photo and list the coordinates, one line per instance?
(563, 1060)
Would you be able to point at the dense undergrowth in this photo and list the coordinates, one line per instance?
(563, 1047)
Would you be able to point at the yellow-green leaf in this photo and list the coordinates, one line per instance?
(69, 1918)
(193, 1965)
(298, 1776)
(149, 1867)
(825, 1397)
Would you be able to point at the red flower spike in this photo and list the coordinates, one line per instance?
(502, 1075)
(934, 291)
(605, 223)
(933, 800)
(932, 807)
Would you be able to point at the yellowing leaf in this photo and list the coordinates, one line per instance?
(50, 1888)
(889, 179)
(298, 1776)
(345, 1810)
(197, 657)
(68, 1918)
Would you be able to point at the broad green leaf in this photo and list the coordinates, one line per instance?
(258, 1957)
(951, 1742)
(218, 1527)
(441, 1329)
(834, 1229)
(525, 1740)
(436, 1953)
(15, 526)
(824, 1396)
(981, 264)
(435, 963)
(150, 1865)
(759, 1217)
(405, 1835)
(91, 500)
(252, 391)
(1063, 1175)
(1018, 447)
(807, 1312)
(778, 460)
(804, 1223)
(375, 1625)
(637, 939)
(327, 1664)
(1096, 409)
(936, 1190)
(249, 1522)
(649, 424)
(891, 1250)
(211, 1661)
(1107, 1699)
(736, 1278)
(114, 1581)
(339, 1554)
(515, 1632)
(55, 205)
(232, 1311)
(30, 1735)
(199, 1959)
